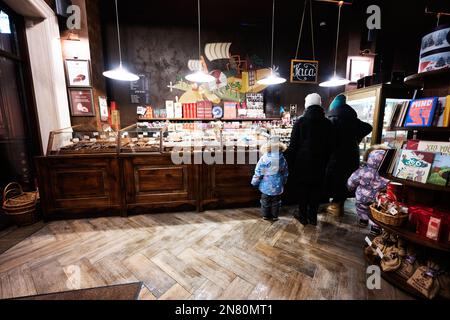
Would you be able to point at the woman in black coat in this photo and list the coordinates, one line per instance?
(349, 131)
(308, 155)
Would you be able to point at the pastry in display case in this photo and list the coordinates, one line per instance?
(283, 134)
(244, 137)
(73, 140)
(190, 135)
(141, 138)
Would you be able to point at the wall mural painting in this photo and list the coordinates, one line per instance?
(234, 76)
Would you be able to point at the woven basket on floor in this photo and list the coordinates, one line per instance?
(389, 219)
(21, 206)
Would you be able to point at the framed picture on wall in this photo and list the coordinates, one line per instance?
(359, 67)
(81, 102)
(78, 73)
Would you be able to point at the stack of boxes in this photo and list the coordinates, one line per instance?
(204, 110)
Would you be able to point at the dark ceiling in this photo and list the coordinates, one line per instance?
(222, 13)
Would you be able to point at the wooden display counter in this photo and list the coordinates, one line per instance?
(78, 186)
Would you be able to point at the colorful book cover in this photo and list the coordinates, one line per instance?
(421, 112)
(434, 146)
(414, 165)
(447, 112)
(439, 113)
(440, 170)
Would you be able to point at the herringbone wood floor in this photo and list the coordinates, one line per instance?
(227, 254)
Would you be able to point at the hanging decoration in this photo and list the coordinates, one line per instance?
(120, 73)
(273, 78)
(335, 80)
(305, 71)
(199, 75)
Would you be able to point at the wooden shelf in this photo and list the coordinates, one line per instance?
(425, 129)
(210, 119)
(413, 237)
(397, 281)
(419, 185)
(419, 79)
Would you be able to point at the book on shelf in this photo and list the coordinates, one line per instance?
(387, 160)
(440, 113)
(421, 112)
(395, 115)
(447, 112)
(429, 146)
(414, 165)
(402, 114)
(440, 170)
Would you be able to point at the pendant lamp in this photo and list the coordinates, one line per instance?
(120, 73)
(274, 77)
(336, 81)
(200, 76)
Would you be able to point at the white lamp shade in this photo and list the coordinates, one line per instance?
(200, 77)
(335, 82)
(121, 74)
(272, 79)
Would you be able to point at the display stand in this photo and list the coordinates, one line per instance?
(434, 84)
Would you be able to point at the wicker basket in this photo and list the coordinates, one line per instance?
(19, 205)
(388, 219)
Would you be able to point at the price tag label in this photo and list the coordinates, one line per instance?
(95, 134)
(93, 140)
(86, 138)
(140, 136)
(145, 134)
(75, 140)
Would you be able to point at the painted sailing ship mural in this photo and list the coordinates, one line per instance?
(232, 81)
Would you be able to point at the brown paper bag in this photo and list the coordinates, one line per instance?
(425, 281)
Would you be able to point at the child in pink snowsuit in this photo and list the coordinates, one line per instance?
(367, 182)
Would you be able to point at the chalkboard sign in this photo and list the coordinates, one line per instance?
(140, 90)
(304, 71)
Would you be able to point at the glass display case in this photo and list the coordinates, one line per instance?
(242, 135)
(140, 138)
(191, 135)
(283, 134)
(73, 140)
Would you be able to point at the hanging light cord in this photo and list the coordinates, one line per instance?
(312, 29)
(199, 33)
(273, 32)
(301, 30)
(118, 34)
(337, 37)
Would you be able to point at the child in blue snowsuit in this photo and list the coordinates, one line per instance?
(367, 182)
(270, 176)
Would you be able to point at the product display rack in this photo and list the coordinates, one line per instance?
(397, 280)
(427, 186)
(411, 236)
(435, 83)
